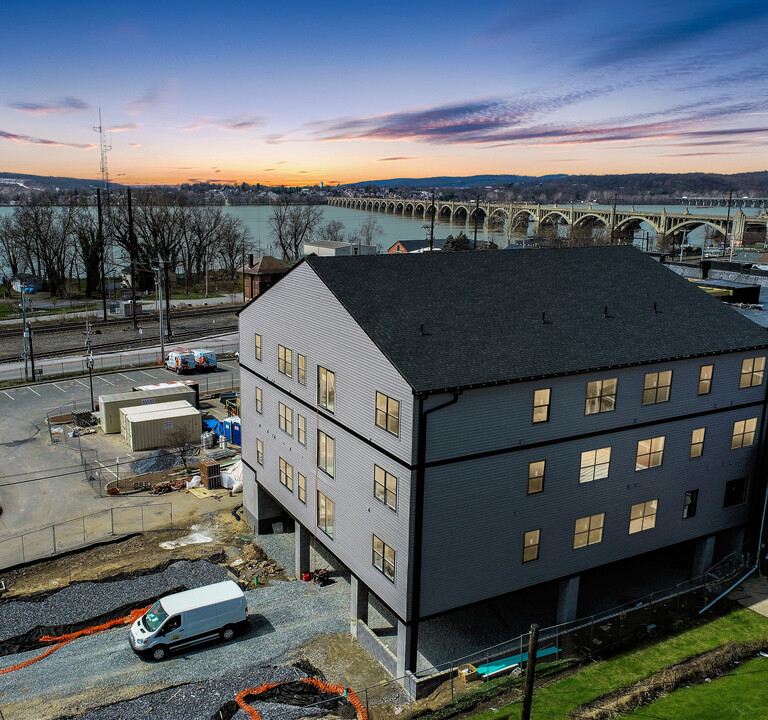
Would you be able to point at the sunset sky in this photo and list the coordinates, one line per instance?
(298, 93)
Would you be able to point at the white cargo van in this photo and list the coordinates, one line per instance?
(205, 360)
(180, 361)
(188, 618)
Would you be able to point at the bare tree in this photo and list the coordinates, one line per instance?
(293, 225)
(180, 443)
(9, 244)
(368, 232)
(332, 231)
(232, 242)
(88, 244)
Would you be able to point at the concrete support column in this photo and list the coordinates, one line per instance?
(302, 539)
(568, 599)
(404, 640)
(265, 511)
(358, 604)
(702, 555)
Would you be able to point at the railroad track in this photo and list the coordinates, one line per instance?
(72, 325)
(134, 342)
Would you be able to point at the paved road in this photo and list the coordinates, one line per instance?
(42, 483)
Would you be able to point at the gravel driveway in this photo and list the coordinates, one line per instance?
(98, 670)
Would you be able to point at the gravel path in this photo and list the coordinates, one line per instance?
(201, 700)
(83, 601)
(283, 616)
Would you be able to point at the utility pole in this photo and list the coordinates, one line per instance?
(477, 214)
(613, 215)
(132, 246)
(160, 304)
(89, 360)
(26, 331)
(530, 673)
(727, 220)
(432, 224)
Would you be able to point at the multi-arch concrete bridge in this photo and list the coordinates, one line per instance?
(624, 222)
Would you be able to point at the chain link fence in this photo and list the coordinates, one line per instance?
(77, 366)
(82, 531)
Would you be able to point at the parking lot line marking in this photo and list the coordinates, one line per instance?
(126, 377)
(105, 380)
(60, 388)
(148, 374)
(104, 467)
(31, 390)
(81, 383)
(10, 396)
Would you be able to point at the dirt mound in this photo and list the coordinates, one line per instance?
(255, 564)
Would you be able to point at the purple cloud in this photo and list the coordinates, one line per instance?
(63, 105)
(29, 140)
(391, 159)
(238, 123)
(125, 127)
(149, 98)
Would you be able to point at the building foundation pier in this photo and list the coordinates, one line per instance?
(358, 604)
(703, 555)
(302, 538)
(568, 599)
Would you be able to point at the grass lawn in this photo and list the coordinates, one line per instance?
(557, 701)
(741, 694)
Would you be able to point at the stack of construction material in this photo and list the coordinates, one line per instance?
(210, 474)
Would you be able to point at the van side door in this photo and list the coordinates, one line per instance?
(173, 630)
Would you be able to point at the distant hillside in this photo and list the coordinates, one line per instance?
(455, 181)
(52, 183)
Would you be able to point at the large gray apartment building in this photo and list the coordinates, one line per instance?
(560, 409)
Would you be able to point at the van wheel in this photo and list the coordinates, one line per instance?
(159, 653)
(227, 633)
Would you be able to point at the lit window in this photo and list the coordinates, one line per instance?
(650, 453)
(325, 514)
(301, 429)
(541, 405)
(594, 464)
(689, 504)
(258, 400)
(302, 482)
(388, 413)
(384, 558)
(301, 361)
(259, 451)
(601, 396)
(286, 418)
(326, 453)
(385, 487)
(642, 516)
(588, 530)
(257, 347)
(326, 389)
(286, 474)
(697, 442)
(536, 476)
(705, 379)
(531, 545)
(735, 492)
(285, 361)
(743, 433)
(656, 387)
(752, 370)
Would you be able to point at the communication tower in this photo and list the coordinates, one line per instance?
(105, 146)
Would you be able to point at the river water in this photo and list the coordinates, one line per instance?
(399, 227)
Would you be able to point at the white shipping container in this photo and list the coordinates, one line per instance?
(148, 430)
(110, 405)
(135, 412)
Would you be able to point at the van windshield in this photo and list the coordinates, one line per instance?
(155, 617)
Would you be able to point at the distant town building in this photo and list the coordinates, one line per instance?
(262, 275)
(414, 246)
(326, 248)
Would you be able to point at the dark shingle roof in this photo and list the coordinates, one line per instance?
(482, 313)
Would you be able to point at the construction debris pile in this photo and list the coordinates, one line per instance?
(254, 563)
(156, 461)
(168, 486)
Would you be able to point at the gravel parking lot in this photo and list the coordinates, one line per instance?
(283, 616)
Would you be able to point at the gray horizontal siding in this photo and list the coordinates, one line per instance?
(300, 313)
(496, 417)
(477, 512)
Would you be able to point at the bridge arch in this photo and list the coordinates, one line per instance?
(420, 209)
(589, 219)
(399, 208)
(444, 212)
(554, 218)
(634, 222)
(460, 213)
(523, 215)
(498, 216)
(408, 209)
